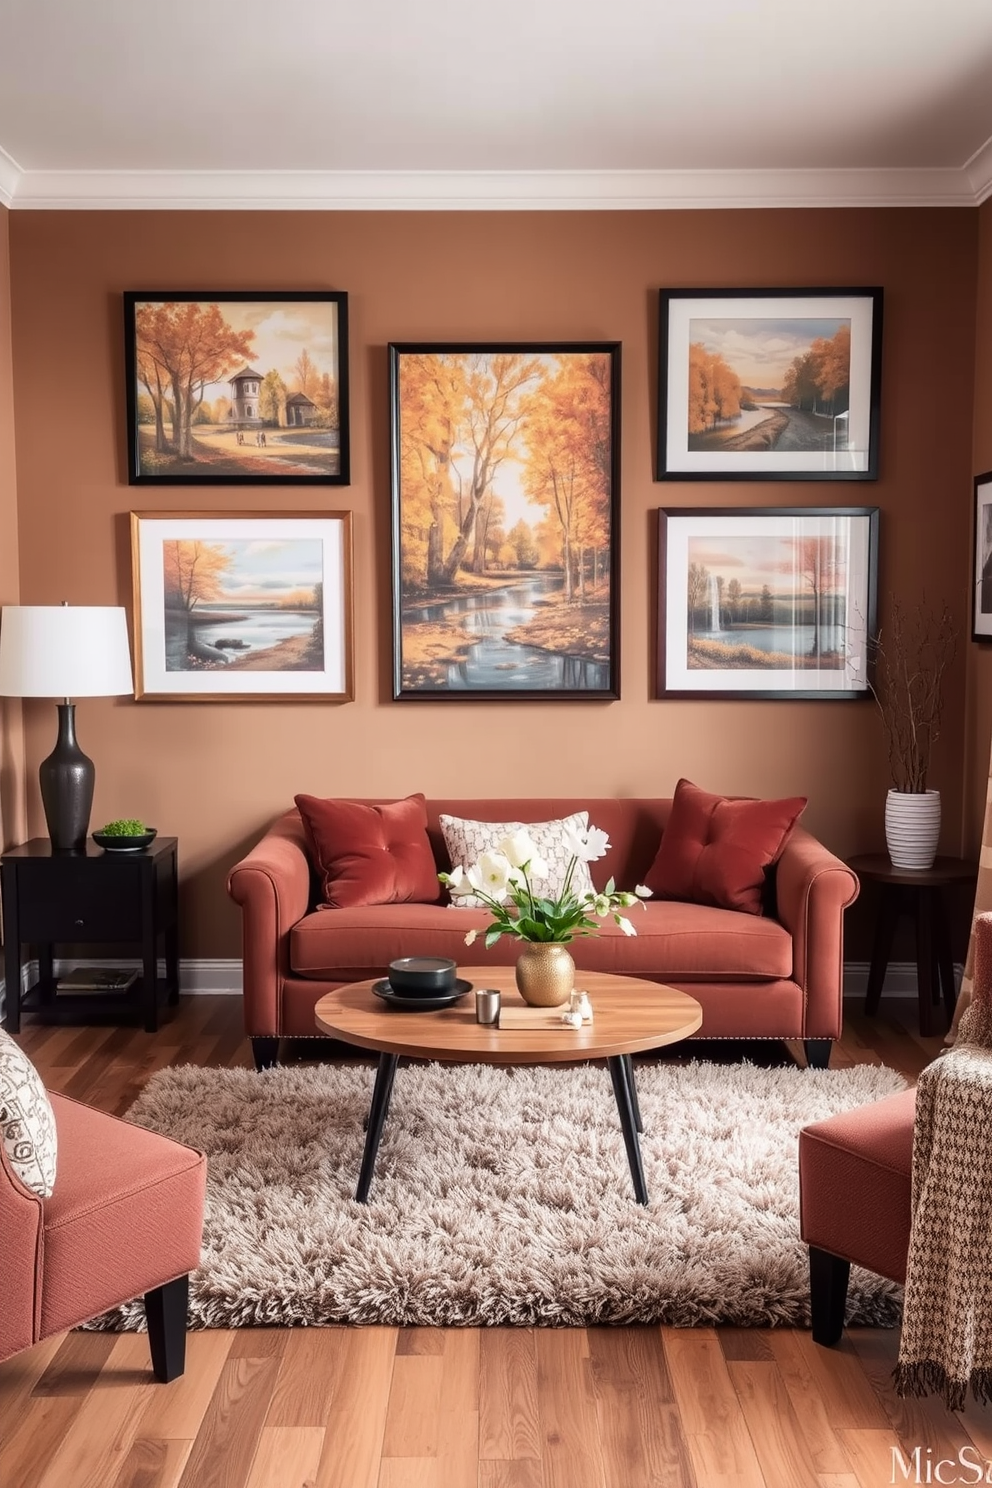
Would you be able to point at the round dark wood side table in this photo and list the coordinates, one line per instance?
(919, 893)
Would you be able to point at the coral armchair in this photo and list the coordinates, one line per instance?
(124, 1220)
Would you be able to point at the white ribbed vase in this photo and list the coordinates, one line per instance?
(912, 827)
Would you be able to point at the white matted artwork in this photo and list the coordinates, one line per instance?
(240, 606)
(766, 602)
(769, 384)
(981, 591)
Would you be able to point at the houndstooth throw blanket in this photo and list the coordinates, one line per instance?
(946, 1343)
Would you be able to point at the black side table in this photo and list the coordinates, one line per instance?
(919, 893)
(52, 898)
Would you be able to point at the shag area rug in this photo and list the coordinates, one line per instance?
(503, 1196)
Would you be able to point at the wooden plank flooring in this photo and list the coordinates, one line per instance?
(634, 1407)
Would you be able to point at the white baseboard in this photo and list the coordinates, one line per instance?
(900, 978)
(204, 976)
(219, 976)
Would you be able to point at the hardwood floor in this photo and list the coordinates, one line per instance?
(631, 1407)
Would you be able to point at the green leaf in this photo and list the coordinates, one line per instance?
(492, 936)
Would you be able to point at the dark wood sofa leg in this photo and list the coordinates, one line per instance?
(828, 1276)
(165, 1309)
(817, 1052)
(265, 1052)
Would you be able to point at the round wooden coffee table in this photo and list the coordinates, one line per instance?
(629, 1015)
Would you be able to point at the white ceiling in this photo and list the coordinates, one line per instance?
(528, 102)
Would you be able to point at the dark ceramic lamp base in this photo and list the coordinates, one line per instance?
(67, 777)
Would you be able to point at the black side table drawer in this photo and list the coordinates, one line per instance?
(90, 897)
(68, 901)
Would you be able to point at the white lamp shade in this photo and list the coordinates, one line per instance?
(64, 651)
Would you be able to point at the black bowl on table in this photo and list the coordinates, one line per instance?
(115, 842)
(419, 976)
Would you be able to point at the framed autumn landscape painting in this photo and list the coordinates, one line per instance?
(239, 606)
(766, 602)
(233, 389)
(773, 384)
(505, 520)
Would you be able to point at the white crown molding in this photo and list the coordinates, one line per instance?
(10, 177)
(344, 191)
(979, 169)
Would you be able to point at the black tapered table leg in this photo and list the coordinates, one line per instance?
(378, 1110)
(628, 1069)
(628, 1123)
(885, 930)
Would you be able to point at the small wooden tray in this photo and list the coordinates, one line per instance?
(539, 1020)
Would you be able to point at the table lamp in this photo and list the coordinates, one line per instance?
(65, 651)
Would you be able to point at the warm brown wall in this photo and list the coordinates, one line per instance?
(215, 774)
(979, 721)
(12, 819)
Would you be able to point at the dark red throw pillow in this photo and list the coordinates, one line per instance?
(715, 849)
(371, 854)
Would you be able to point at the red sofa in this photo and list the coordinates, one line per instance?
(777, 975)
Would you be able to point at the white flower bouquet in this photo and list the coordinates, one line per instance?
(508, 881)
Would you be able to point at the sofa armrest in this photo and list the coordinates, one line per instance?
(22, 1225)
(813, 889)
(272, 886)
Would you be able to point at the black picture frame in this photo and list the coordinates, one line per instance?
(284, 422)
(806, 587)
(742, 373)
(483, 432)
(981, 583)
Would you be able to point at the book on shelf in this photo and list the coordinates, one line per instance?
(95, 979)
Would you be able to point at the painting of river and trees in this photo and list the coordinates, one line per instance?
(505, 520)
(767, 602)
(775, 383)
(237, 388)
(232, 607)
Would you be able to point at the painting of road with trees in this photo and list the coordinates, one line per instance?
(236, 389)
(763, 384)
(504, 473)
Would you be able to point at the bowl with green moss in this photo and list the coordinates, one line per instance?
(127, 834)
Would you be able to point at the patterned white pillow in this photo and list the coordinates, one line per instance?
(467, 840)
(27, 1121)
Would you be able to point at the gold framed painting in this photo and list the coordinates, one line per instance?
(241, 606)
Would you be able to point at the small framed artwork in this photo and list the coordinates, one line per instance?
(766, 602)
(981, 590)
(226, 388)
(773, 384)
(505, 520)
(240, 606)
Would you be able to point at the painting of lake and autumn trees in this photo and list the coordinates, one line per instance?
(504, 468)
(236, 388)
(239, 605)
(771, 603)
(772, 600)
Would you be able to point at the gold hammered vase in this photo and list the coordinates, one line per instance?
(545, 973)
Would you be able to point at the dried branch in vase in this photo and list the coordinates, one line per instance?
(911, 658)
